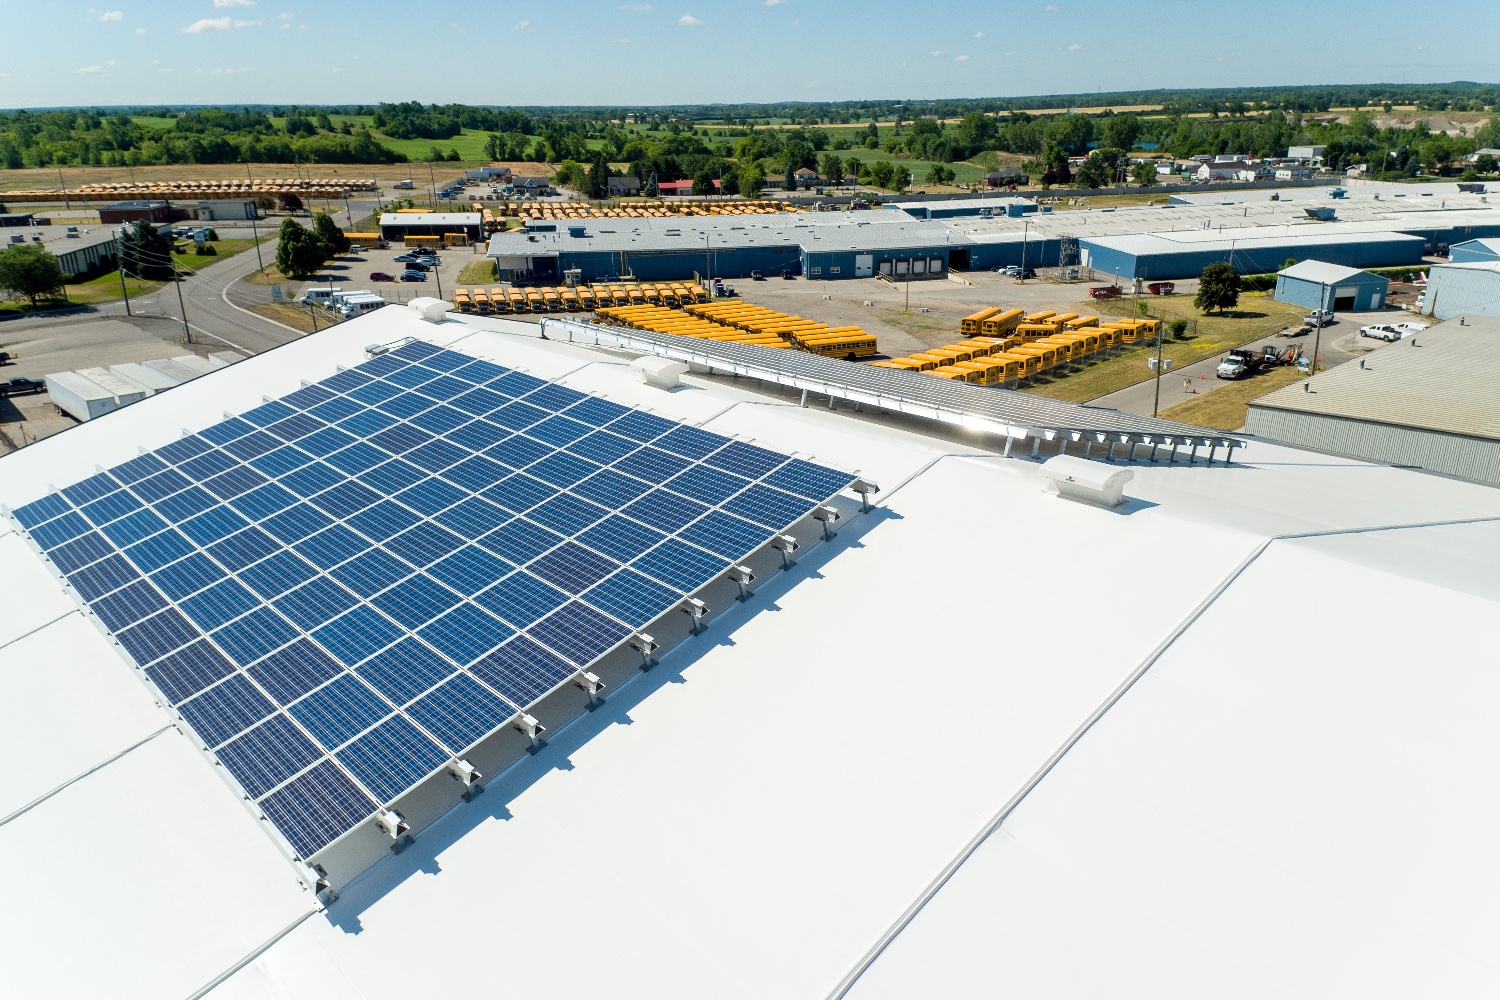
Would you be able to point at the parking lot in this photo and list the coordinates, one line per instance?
(352, 271)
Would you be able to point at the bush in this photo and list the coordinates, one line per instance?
(1178, 327)
(209, 250)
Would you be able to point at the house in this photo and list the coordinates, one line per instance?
(1311, 154)
(805, 177)
(623, 187)
(672, 188)
(1492, 153)
(1005, 177)
(1358, 170)
(533, 185)
(1226, 170)
(1293, 173)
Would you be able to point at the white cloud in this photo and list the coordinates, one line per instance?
(287, 16)
(1009, 54)
(336, 69)
(688, 21)
(1075, 47)
(90, 70)
(224, 23)
(639, 8)
(112, 15)
(980, 34)
(960, 58)
(140, 31)
(936, 53)
(221, 4)
(618, 41)
(164, 69)
(775, 3)
(520, 26)
(1052, 8)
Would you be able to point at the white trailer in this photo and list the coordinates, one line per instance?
(125, 392)
(148, 379)
(82, 398)
(358, 305)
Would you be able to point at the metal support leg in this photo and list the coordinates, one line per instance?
(1036, 446)
(1173, 456)
(1008, 441)
(830, 401)
(1087, 446)
(1153, 452)
(1229, 455)
(1111, 456)
(1193, 453)
(1211, 449)
(1131, 458)
(804, 397)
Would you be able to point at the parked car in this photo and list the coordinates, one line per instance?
(418, 265)
(412, 255)
(356, 248)
(1381, 331)
(757, 276)
(1241, 363)
(410, 275)
(381, 276)
(22, 387)
(1326, 315)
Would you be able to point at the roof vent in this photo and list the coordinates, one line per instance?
(577, 231)
(664, 373)
(430, 309)
(1087, 482)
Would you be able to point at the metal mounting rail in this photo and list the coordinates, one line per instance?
(1017, 416)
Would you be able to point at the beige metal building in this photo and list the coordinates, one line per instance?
(1427, 402)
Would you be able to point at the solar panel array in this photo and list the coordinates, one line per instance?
(346, 588)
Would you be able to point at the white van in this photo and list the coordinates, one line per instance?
(319, 296)
(340, 297)
(359, 305)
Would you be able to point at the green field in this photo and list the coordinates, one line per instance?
(154, 122)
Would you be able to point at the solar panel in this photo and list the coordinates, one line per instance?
(338, 611)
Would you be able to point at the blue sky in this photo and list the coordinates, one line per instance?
(61, 52)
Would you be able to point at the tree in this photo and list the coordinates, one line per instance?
(570, 174)
(289, 202)
(298, 251)
(831, 167)
(1218, 288)
(1098, 171)
(494, 147)
(1144, 173)
(939, 174)
(264, 202)
(145, 252)
(1177, 328)
(752, 179)
(1121, 131)
(329, 235)
(598, 179)
(28, 269)
(703, 182)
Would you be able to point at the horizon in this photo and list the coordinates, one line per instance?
(218, 53)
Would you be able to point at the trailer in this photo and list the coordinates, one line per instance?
(80, 397)
(1107, 292)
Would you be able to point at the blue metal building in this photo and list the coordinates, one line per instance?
(1463, 290)
(1474, 251)
(1315, 284)
(1169, 256)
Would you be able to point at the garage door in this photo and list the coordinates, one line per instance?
(1343, 301)
(864, 265)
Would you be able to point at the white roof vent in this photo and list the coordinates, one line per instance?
(1088, 482)
(664, 373)
(430, 309)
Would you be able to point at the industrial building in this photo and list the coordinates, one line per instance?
(83, 251)
(135, 211)
(1158, 242)
(818, 245)
(1462, 289)
(802, 796)
(1167, 256)
(10, 219)
(1316, 284)
(397, 226)
(1426, 402)
(1474, 251)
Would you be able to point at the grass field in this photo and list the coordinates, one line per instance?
(1256, 317)
(226, 248)
(106, 288)
(296, 317)
(469, 143)
(480, 272)
(1224, 408)
(150, 122)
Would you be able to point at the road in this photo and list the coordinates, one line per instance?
(1338, 344)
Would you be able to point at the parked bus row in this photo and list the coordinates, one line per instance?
(1044, 342)
(639, 210)
(570, 298)
(658, 319)
(848, 342)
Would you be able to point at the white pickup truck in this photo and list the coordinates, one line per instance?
(1382, 331)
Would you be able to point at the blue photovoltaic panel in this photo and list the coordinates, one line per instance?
(312, 809)
(294, 670)
(522, 671)
(367, 422)
(340, 710)
(392, 757)
(460, 713)
(341, 609)
(405, 670)
(225, 709)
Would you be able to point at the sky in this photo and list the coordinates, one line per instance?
(590, 52)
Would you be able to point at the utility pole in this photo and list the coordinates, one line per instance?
(64, 185)
(708, 262)
(1318, 333)
(187, 334)
(120, 254)
(254, 211)
(432, 177)
(1025, 231)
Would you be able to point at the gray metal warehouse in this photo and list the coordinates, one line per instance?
(397, 226)
(1426, 402)
(1463, 289)
(1474, 251)
(1316, 284)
